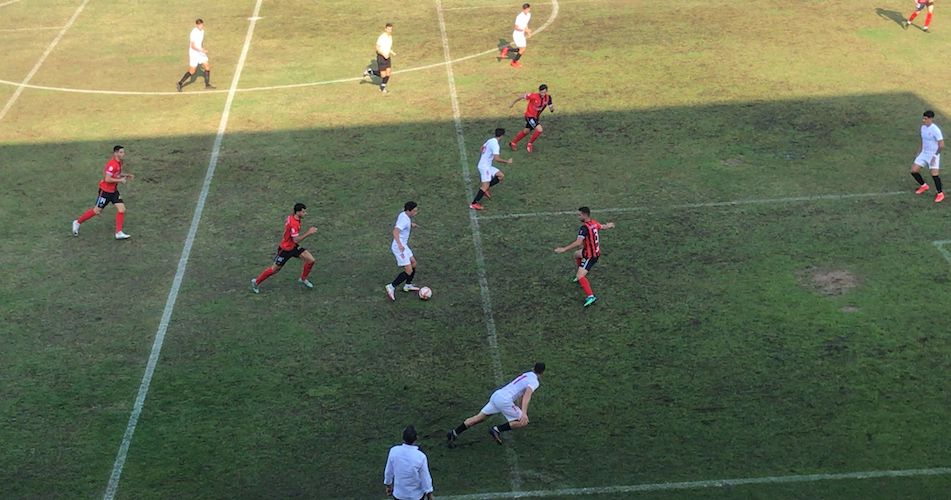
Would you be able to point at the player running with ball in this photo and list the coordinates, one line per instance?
(587, 256)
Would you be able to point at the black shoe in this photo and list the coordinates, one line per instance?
(178, 86)
(209, 86)
(496, 435)
(450, 438)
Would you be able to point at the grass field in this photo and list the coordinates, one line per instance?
(771, 304)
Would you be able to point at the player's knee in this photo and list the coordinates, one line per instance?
(97, 210)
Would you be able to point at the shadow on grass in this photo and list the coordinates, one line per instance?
(892, 15)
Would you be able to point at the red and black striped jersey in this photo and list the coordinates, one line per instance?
(591, 247)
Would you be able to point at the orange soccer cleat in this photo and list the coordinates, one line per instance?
(922, 189)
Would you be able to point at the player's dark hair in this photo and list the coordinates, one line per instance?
(499, 132)
(199, 21)
(539, 368)
(299, 206)
(409, 205)
(117, 148)
(525, 5)
(929, 114)
(543, 87)
(388, 25)
(409, 434)
(585, 210)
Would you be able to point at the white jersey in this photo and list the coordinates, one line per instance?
(384, 44)
(489, 149)
(404, 224)
(197, 38)
(521, 20)
(514, 390)
(930, 135)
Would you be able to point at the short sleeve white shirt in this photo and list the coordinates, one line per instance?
(489, 149)
(197, 38)
(384, 44)
(930, 135)
(521, 20)
(404, 224)
(516, 388)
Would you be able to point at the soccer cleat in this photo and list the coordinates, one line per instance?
(384, 91)
(938, 198)
(496, 434)
(306, 282)
(904, 24)
(210, 87)
(122, 236)
(366, 73)
(75, 228)
(178, 86)
(925, 29)
(574, 280)
(409, 287)
(922, 189)
(530, 147)
(590, 300)
(475, 206)
(516, 64)
(391, 291)
(514, 146)
(505, 52)
(451, 438)
(254, 285)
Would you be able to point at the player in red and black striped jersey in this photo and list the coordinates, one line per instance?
(290, 248)
(590, 249)
(921, 5)
(112, 176)
(537, 102)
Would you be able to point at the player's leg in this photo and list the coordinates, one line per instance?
(577, 264)
(586, 265)
(101, 202)
(914, 14)
(188, 74)
(530, 124)
(513, 420)
(120, 218)
(279, 260)
(405, 261)
(411, 269)
(520, 44)
(936, 177)
(308, 260)
(385, 71)
(206, 72)
(467, 424)
(928, 17)
(531, 141)
(916, 173)
(483, 191)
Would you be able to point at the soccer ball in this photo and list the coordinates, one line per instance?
(425, 293)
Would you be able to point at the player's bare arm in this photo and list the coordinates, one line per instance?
(521, 97)
(609, 225)
(499, 159)
(575, 244)
(115, 180)
(396, 238)
(307, 233)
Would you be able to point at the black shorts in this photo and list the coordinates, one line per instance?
(588, 262)
(105, 198)
(284, 255)
(531, 123)
(382, 63)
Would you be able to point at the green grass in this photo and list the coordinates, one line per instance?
(709, 355)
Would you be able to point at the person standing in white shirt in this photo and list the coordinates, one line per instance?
(488, 174)
(929, 155)
(384, 51)
(519, 35)
(406, 475)
(511, 401)
(197, 56)
(401, 250)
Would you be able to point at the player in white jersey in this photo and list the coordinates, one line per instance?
(488, 174)
(519, 34)
(929, 155)
(197, 56)
(511, 400)
(384, 51)
(402, 251)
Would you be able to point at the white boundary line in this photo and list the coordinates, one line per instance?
(712, 204)
(714, 483)
(944, 251)
(4, 4)
(36, 67)
(180, 271)
(40, 28)
(548, 22)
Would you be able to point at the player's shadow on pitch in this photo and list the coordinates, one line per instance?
(892, 15)
(501, 45)
(373, 80)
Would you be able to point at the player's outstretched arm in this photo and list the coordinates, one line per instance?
(572, 246)
(519, 98)
(609, 225)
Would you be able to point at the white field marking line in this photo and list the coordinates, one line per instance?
(180, 271)
(712, 204)
(7, 30)
(36, 67)
(548, 22)
(488, 316)
(944, 251)
(714, 483)
(509, 5)
(4, 4)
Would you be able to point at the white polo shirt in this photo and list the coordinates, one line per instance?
(513, 390)
(489, 149)
(930, 135)
(196, 38)
(384, 44)
(407, 469)
(404, 224)
(521, 20)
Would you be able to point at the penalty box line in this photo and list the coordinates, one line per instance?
(712, 204)
(713, 483)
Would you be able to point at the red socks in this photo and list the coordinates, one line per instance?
(519, 136)
(306, 271)
(88, 214)
(535, 136)
(912, 16)
(928, 20)
(264, 275)
(586, 286)
(120, 216)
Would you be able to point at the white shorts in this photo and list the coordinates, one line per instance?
(519, 38)
(404, 258)
(924, 160)
(501, 404)
(487, 173)
(195, 58)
